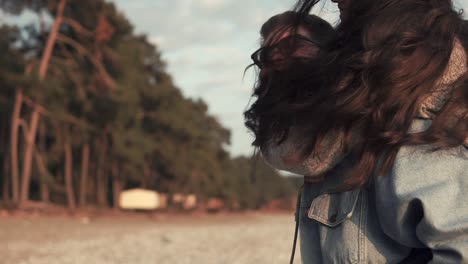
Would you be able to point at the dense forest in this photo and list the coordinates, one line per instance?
(88, 109)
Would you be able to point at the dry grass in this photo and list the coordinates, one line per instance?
(243, 239)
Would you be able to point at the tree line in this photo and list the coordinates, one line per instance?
(88, 109)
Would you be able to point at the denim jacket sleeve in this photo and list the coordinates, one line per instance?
(423, 202)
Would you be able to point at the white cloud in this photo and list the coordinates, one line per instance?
(213, 4)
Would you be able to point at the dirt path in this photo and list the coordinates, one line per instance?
(217, 239)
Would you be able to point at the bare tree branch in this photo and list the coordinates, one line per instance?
(97, 63)
(51, 40)
(77, 26)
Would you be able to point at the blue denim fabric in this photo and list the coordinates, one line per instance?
(418, 210)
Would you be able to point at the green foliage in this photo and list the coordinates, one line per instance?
(12, 65)
(253, 183)
(109, 88)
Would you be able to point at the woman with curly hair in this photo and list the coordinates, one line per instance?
(378, 124)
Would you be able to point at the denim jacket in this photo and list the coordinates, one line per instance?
(418, 213)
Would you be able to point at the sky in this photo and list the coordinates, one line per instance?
(207, 45)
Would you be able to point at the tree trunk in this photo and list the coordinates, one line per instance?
(51, 41)
(6, 179)
(102, 188)
(43, 66)
(146, 176)
(101, 177)
(4, 154)
(45, 193)
(91, 184)
(28, 155)
(15, 120)
(116, 185)
(69, 172)
(42, 168)
(84, 175)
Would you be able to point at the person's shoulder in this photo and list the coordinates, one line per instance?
(417, 169)
(422, 202)
(420, 166)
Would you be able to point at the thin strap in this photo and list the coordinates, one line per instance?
(296, 229)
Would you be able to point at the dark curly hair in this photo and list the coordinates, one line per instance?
(389, 56)
(273, 83)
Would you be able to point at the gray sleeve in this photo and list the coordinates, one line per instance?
(423, 202)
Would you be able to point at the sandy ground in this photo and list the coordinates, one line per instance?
(242, 239)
